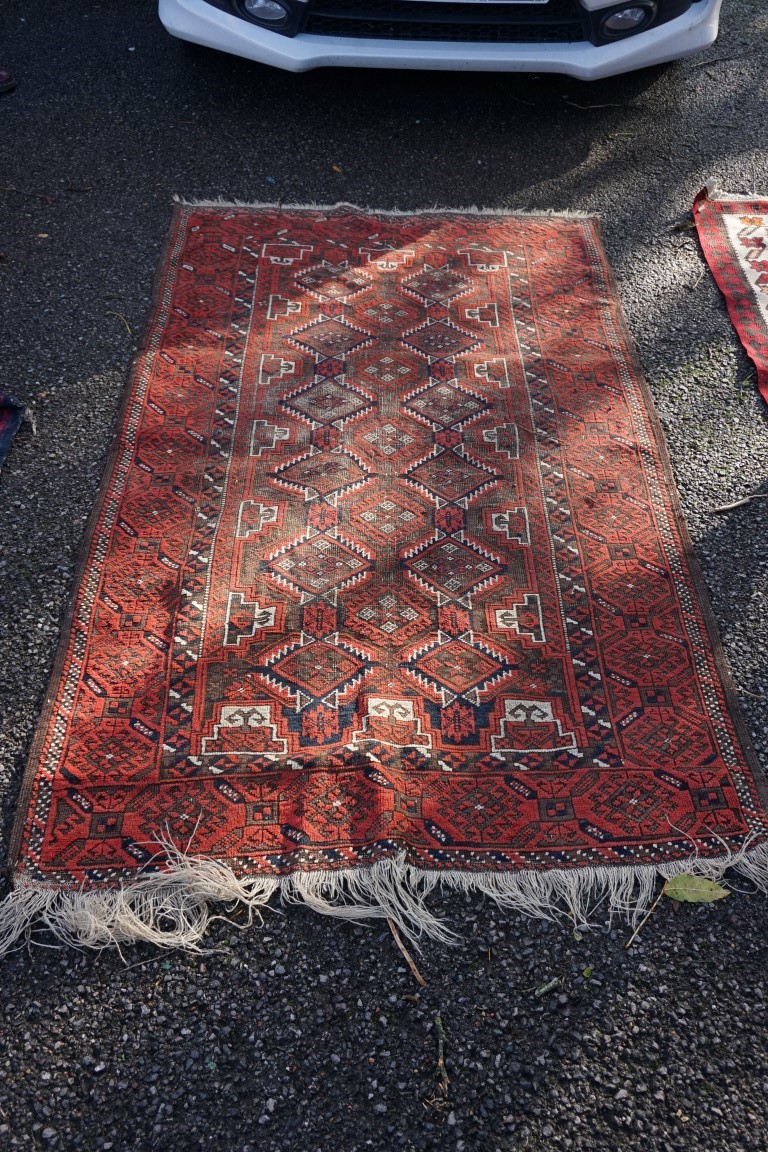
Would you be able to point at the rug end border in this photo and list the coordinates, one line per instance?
(173, 908)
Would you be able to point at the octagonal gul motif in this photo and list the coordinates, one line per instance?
(633, 585)
(482, 811)
(646, 657)
(388, 515)
(388, 616)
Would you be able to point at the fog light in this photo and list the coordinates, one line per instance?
(270, 11)
(627, 20)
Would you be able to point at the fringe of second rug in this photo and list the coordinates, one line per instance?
(470, 210)
(172, 908)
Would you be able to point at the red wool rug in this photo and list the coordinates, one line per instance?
(733, 232)
(387, 585)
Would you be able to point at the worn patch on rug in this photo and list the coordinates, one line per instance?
(387, 584)
(733, 232)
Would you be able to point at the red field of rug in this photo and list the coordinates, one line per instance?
(734, 235)
(387, 584)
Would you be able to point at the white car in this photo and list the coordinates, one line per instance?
(588, 39)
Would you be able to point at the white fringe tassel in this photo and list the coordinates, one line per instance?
(173, 908)
(225, 202)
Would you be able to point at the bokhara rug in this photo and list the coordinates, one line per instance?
(733, 232)
(387, 584)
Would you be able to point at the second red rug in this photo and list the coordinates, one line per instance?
(733, 232)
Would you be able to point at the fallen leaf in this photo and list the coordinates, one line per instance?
(694, 889)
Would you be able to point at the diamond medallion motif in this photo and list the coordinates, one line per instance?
(387, 370)
(458, 666)
(330, 337)
(322, 473)
(332, 281)
(447, 404)
(451, 567)
(391, 580)
(437, 285)
(450, 476)
(440, 338)
(387, 439)
(327, 401)
(318, 668)
(317, 565)
(390, 517)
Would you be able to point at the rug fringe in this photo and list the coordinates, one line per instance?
(713, 191)
(173, 908)
(472, 210)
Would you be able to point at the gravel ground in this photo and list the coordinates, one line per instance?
(309, 1035)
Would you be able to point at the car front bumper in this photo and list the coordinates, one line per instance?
(200, 23)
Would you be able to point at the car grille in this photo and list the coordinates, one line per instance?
(559, 21)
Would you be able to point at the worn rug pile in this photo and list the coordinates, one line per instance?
(387, 585)
(733, 231)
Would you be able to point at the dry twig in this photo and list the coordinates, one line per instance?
(121, 317)
(742, 502)
(644, 920)
(408, 958)
(441, 1069)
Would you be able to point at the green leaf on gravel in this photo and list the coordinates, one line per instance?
(587, 973)
(694, 889)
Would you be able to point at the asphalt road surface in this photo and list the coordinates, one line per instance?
(307, 1035)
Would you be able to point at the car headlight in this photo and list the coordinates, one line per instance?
(625, 21)
(268, 11)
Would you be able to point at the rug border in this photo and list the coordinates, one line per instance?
(180, 213)
(54, 676)
(730, 691)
